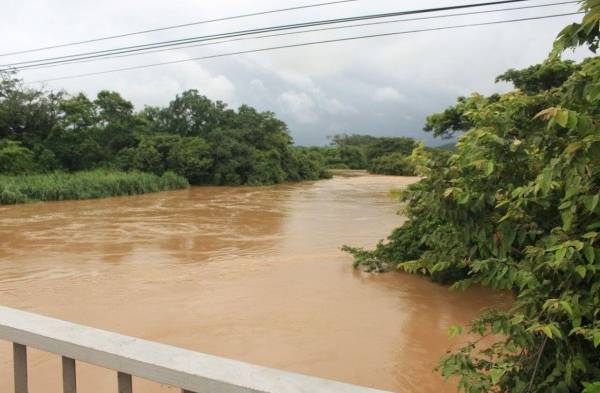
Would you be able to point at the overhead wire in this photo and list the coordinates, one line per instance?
(111, 37)
(78, 61)
(137, 48)
(307, 44)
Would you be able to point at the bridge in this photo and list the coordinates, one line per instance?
(192, 372)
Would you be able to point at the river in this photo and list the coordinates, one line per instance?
(254, 274)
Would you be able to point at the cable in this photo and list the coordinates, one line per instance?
(306, 44)
(76, 61)
(135, 48)
(176, 27)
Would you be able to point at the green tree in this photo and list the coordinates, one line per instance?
(116, 122)
(396, 164)
(540, 77)
(75, 136)
(198, 138)
(15, 159)
(192, 114)
(190, 158)
(517, 208)
(353, 157)
(26, 115)
(382, 146)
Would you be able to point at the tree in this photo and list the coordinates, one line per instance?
(517, 208)
(382, 146)
(540, 77)
(194, 136)
(396, 164)
(75, 136)
(353, 157)
(192, 114)
(190, 157)
(116, 121)
(26, 115)
(15, 159)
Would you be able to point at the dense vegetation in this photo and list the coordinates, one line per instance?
(517, 207)
(194, 137)
(381, 155)
(59, 186)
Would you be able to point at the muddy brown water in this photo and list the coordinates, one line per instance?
(253, 274)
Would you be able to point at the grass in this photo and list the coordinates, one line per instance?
(60, 186)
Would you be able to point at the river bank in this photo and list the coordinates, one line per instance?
(61, 186)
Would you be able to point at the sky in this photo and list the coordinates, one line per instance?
(383, 86)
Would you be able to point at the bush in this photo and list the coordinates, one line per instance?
(517, 208)
(190, 158)
(15, 159)
(395, 164)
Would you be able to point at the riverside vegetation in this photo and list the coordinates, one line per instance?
(378, 155)
(516, 208)
(58, 146)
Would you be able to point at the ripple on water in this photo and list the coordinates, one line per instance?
(254, 274)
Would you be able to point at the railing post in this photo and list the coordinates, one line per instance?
(69, 376)
(125, 383)
(20, 367)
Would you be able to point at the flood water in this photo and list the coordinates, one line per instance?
(253, 274)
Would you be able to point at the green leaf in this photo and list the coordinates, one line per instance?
(562, 117)
(567, 307)
(589, 253)
(496, 374)
(572, 121)
(555, 331)
(455, 330)
(581, 270)
(567, 218)
(591, 387)
(489, 168)
(560, 254)
(591, 202)
(547, 330)
(545, 180)
(517, 319)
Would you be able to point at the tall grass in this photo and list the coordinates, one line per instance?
(61, 186)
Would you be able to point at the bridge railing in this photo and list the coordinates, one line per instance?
(192, 372)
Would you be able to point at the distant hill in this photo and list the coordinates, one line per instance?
(448, 146)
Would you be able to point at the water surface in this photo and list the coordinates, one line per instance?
(253, 274)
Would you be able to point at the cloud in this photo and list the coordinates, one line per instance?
(351, 86)
(300, 106)
(388, 94)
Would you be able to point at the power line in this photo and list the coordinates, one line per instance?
(78, 61)
(307, 44)
(111, 37)
(137, 48)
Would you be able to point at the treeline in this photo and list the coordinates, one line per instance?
(380, 155)
(516, 208)
(196, 138)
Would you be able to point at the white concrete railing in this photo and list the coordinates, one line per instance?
(190, 371)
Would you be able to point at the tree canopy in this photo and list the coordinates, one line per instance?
(202, 140)
(516, 207)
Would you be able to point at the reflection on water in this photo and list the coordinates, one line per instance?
(254, 274)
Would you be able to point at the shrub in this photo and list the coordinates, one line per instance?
(397, 164)
(517, 208)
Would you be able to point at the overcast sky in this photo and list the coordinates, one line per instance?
(380, 86)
